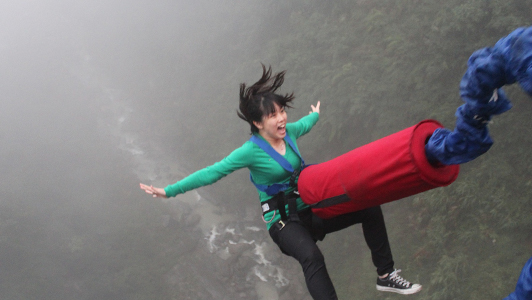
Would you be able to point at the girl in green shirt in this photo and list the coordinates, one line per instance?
(264, 111)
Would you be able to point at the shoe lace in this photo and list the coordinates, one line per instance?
(398, 279)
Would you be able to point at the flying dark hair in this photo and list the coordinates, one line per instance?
(258, 100)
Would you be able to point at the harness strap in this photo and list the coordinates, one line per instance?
(331, 201)
(281, 204)
(270, 189)
(280, 200)
(292, 209)
(266, 147)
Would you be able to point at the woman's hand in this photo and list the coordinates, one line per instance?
(315, 108)
(155, 192)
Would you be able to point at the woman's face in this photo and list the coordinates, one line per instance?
(273, 126)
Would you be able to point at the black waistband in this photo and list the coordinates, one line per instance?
(279, 203)
(279, 200)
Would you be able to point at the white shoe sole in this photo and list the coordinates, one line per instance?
(414, 289)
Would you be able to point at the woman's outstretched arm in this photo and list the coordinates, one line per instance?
(240, 158)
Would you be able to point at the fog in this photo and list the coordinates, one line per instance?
(82, 85)
(98, 96)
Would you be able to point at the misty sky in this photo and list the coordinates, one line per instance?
(73, 75)
(58, 58)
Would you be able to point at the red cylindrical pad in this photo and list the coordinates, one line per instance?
(385, 170)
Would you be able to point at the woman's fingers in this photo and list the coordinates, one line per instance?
(149, 189)
(155, 192)
(315, 108)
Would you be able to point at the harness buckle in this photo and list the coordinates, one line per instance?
(282, 224)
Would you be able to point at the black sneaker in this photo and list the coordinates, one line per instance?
(395, 283)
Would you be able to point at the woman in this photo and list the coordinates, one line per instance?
(293, 227)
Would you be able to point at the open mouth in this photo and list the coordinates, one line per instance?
(281, 128)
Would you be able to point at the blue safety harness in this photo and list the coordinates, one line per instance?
(266, 147)
(279, 199)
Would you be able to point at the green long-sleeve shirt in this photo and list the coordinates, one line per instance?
(264, 169)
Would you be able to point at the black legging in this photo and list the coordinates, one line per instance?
(298, 239)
